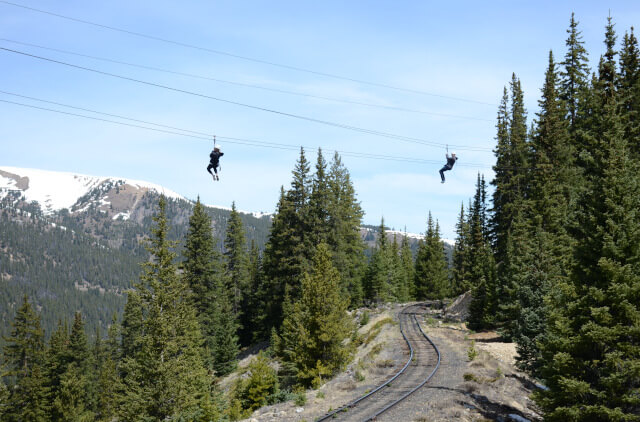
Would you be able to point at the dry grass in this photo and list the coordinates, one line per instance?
(348, 385)
(386, 363)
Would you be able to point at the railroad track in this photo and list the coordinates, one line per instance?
(423, 362)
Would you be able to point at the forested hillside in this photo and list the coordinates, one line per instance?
(85, 260)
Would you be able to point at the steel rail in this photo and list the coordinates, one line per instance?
(421, 384)
(411, 355)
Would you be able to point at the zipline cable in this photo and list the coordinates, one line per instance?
(237, 56)
(282, 113)
(207, 137)
(280, 91)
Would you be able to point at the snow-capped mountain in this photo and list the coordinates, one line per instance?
(57, 190)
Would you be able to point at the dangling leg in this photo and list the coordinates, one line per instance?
(216, 176)
(442, 170)
(209, 167)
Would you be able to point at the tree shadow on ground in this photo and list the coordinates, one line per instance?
(487, 408)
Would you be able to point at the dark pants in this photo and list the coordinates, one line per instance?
(212, 166)
(443, 169)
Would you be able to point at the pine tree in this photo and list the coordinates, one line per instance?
(431, 273)
(534, 262)
(378, 280)
(75, 397)
(313, 335)
(397, 282)
(58, 358)
(253, 391)
(407, 271)
(592, 349)
(317, 218)
(108, 377)
(205, 274)
(287, 250)
(170, 352)
(238, 272)
(576, 71)
(629, 92)
(460, 266)
(24, 359)
(132, 325)
(254, 313)
(512, 163)
(486, 292)
(345, 219)
(4, 398)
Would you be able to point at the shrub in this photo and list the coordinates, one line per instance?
(261, 385)
(364, 318)
(472, 353)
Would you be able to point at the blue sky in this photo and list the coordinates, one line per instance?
(465, 50)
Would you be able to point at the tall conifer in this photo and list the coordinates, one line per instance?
(286, 252)
(431, 273)
(575, 76)
(24, 355)
(205, 273)
(170, 352)
(345, 219)
(378, 281)
(238, 272)
(313, 334)
(592, 349)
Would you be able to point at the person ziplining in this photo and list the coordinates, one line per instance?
(214, 162)
(451, 160)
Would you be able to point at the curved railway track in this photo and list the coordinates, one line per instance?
(423, 362)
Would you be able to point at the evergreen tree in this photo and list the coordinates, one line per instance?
(535, 262)
(205, 273)
(591, 352)
(512, 162)
(407, 271)
(460, 269)
(58, 358)
(287, 251)
(4, 398)
(431, 273)
(576, 71)
(75, 396)
(629, 92)
(132, 325)
(486, 292)
(345, 219)
(262, 382)
(108, 380)
(170, 352)
(397, 283)
(314, 330)
(238, 272)
(317, 218)
(379, 278)
(254, 313)
(24, 359)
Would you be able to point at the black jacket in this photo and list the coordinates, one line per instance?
(215, 157)
(451, 160)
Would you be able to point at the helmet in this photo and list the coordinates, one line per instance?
(218, 147)
(453, 153)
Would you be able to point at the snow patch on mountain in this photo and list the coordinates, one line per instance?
(418, 236)
(55, 190)
(253, 213)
